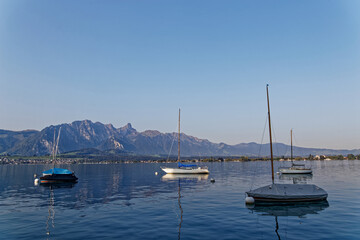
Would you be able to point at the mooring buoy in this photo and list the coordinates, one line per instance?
(249, 200)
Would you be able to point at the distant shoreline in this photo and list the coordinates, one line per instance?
(45, 160)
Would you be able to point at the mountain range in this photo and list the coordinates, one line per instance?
(80, 135)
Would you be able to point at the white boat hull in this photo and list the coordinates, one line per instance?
(295, 171)
(171, 177)
(185, 170)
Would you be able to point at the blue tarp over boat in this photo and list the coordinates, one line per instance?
(186, 165)
(57, 171)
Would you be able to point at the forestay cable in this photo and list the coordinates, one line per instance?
(261, 143)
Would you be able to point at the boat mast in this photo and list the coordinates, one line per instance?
(179, 138)
(53, 150)
(271, 151)
(56, 148)
(291, 158)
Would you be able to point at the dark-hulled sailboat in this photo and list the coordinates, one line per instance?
(276, 192)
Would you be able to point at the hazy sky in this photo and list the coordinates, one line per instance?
(139, 61)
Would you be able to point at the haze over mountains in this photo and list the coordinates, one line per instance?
(85, 134)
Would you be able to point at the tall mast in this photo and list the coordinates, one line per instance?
(53, 150)
(179, 138)
(56, 148)
(291, 158)
(271, 151)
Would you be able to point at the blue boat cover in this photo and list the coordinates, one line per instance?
(57, 171)
(186, 165)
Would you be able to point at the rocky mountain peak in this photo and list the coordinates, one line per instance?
(81, 122)
(151, 133)
(128, 126)
(111, 143)
(88, 135)
(109, 126)
(127, 129)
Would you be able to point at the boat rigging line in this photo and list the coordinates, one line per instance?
(171, 148)
(256, 162)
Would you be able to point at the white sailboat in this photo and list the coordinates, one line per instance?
(296, 178)
(276, 192)
(184, 168)
(295, 168)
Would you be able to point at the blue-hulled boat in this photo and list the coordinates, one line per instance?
(57, 175)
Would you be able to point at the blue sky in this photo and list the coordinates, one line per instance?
(139, 61)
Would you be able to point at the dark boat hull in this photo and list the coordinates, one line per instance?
(289, 200)
(58, 178)
(288, 193)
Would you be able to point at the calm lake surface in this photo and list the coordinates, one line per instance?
(128, 201)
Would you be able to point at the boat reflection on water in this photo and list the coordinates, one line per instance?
(295, 209)
(50, 221)
(58, 185)
(285, 210)
(172, 177)
(180, 179)
(180, 208)
(296, 178)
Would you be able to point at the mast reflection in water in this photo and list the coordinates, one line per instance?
(51, 210)
(181, 210)
(285, 210)
(50, 221)
(184, 178)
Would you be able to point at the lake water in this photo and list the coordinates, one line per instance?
(128, 201)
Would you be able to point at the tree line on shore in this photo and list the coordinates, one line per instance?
(138, 158)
